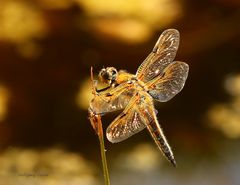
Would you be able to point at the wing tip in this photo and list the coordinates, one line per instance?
(111, 138)
(172, 30)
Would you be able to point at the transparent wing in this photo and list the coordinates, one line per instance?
(112, 99)
(165, 87)
(162, 55)
(128, 123)
(137, 115)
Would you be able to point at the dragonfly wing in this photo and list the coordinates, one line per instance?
(165, 87)
(162, 55)
(128, 123)
(136, 116)
(111, 100)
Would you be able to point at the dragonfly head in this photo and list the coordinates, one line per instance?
(108, 75)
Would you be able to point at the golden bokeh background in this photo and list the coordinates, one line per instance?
(46, 50)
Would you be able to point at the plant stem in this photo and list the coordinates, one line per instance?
(97, 126)
(103, 152)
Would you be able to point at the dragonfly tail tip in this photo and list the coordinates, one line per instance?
(174, 163)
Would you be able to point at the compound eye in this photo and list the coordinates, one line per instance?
(108, 75)
(105, 76)
(102, 72)
(114, 72)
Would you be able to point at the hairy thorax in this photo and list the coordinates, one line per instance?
(137, 84)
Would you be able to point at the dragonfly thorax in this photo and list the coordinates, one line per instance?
(139, 85)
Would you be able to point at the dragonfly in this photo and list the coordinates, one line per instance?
(159, 78)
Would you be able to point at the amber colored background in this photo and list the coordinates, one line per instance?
(46, 50)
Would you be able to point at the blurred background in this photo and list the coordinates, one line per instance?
(46, 50)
